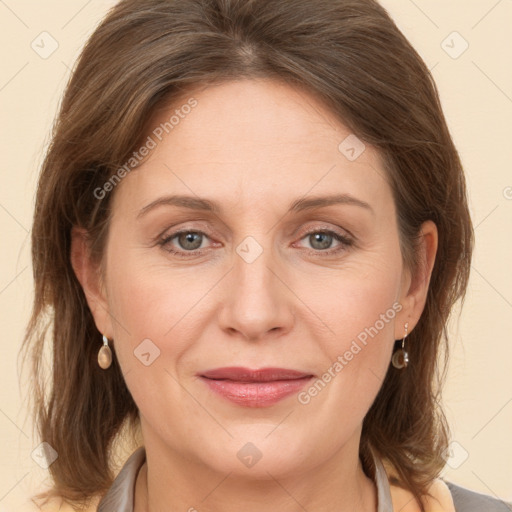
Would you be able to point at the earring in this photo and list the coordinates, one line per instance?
(105, 355)
(400, 358)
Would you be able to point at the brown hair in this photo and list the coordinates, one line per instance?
(146, 54)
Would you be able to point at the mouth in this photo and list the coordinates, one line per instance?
(255, 388)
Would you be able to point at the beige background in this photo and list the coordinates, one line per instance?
(476, 92)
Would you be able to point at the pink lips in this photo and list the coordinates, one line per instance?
(255, 388)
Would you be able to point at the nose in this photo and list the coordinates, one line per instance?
(257, 302)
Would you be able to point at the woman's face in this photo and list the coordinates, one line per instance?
(270, 275)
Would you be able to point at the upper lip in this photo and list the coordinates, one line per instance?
(240, 374)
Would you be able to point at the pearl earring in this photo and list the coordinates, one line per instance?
(105, 355)
(400, 358)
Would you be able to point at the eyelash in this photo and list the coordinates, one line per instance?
(344, 241)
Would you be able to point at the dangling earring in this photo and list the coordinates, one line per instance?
(400, 358)
(105, 355)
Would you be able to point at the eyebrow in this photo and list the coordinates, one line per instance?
(299, 205)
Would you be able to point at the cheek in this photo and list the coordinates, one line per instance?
(356, 365)
(360, 309)
(157, 303)
(358, 354)
(354, 304)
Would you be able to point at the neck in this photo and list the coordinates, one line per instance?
(175, 483)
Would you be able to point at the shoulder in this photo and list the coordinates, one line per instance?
(54, 505)
(439, 499)
(466, 500)
(444, 496)
(448, 497)
(60, 505)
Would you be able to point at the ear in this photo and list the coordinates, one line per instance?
(88, 274)
(416, 282)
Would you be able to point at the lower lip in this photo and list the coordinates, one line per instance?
(256, 394)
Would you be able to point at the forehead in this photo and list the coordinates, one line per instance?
(241, 117)
(254, 141)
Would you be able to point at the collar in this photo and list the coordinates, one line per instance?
(439, 499)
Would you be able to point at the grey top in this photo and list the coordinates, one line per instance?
(119, 498)
(466, 500)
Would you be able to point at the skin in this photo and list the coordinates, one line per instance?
(253, 146)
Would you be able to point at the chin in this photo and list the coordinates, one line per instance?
(261, 452)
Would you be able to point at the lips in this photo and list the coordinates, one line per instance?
(247, 375)
(255, 388)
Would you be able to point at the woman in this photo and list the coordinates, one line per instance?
(250, 229)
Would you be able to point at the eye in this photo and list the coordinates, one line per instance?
(189, 242)
(321, 241)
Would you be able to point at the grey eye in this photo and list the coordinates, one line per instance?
(320, 240)
(190, 240)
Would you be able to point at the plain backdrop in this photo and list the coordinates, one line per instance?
(468, 46)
